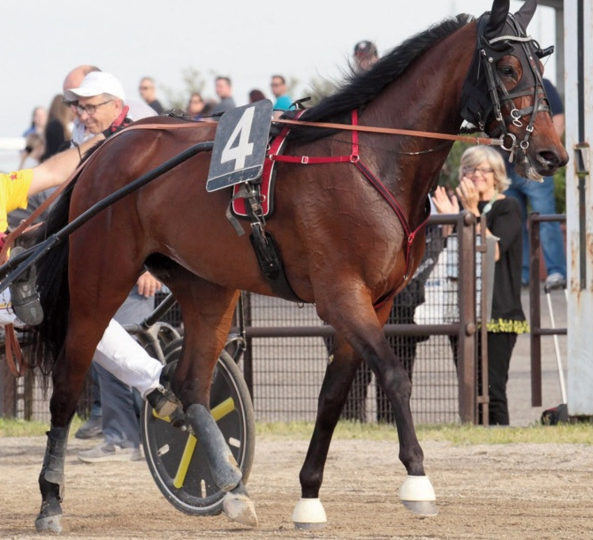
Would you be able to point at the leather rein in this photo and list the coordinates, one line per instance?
(14, 355)
(25, 224)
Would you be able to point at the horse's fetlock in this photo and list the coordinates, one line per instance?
(310, 486)
(50, 491)
(413, 460)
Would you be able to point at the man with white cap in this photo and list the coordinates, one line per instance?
(101, 108)
(73, 80)
(100, 102)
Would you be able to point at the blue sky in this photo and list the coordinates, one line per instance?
(249, 41)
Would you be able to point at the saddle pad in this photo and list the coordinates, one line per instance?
(268, 177)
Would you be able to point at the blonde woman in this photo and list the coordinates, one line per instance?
(58, 129)
(482, 181)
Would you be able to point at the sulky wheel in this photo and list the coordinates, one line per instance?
(174, 456)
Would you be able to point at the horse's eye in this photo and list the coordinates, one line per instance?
(508, 71)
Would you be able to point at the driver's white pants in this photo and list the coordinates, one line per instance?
(121, 355)
(118, 352)
(7, 315)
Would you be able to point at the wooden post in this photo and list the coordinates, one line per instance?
(7, 390)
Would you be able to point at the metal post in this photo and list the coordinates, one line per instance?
(466, 351)
(248, 354)
(7, 391)
(483, 399)
(578, 26)
(535, 310)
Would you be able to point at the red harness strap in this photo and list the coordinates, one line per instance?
(354, 158)
(13, 352)
(239, 204)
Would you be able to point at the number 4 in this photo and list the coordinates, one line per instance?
(243, 147)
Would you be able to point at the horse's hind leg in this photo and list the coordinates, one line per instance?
(87, 321)
(207, 316)
(51, 480)
(68, 381)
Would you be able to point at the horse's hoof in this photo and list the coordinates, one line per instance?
(309, 514)
(240, 508)
(422, 508)
(48, 524)
(417, 495)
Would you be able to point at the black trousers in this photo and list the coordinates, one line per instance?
(404, 348)
(500, 350)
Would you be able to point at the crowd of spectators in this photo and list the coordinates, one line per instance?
(51, 127)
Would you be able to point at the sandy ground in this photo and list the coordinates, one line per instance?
(498, 491)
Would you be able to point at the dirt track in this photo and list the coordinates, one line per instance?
(507, 491)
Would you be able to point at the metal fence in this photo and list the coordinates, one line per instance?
(537, 332)
(287, 355)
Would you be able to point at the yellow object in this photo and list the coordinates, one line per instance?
(14, 189)
(218, 412)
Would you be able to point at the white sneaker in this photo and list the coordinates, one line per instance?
(555, 281)
(109, 452)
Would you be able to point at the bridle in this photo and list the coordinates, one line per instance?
(482, 111)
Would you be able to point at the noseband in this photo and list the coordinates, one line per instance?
(481, 107)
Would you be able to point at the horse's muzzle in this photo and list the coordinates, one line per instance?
(547, 161)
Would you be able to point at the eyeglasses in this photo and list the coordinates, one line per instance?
(70, 103)
(482, 170)
(144, 87)
(90, 109)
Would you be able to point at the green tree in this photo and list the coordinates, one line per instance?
(318, 88)
(193, 81)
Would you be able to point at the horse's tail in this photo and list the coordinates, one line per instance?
(52, 283)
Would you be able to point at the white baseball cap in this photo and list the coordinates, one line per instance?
(99, 82)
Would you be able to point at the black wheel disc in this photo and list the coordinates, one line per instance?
(176, 459)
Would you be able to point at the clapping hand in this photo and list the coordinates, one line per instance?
(468, 195)
(443, 203)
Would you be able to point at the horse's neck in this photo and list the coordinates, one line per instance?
(428, 95)
(426, 98)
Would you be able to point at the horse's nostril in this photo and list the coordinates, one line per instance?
(551, 159)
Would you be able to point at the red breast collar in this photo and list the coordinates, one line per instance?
(354, 158)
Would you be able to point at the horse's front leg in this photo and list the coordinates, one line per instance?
(342, 365)
(416, 493)
(207, 315)
(68, 381)
(353, 316)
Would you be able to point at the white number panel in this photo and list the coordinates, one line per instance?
(240, 145)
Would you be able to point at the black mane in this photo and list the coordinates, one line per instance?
(359, 89)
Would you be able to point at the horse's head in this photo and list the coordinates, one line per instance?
(504, 93)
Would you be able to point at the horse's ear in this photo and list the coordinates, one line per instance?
(498, 17)
(524, 15)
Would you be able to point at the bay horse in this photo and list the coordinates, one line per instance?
(347, 246)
